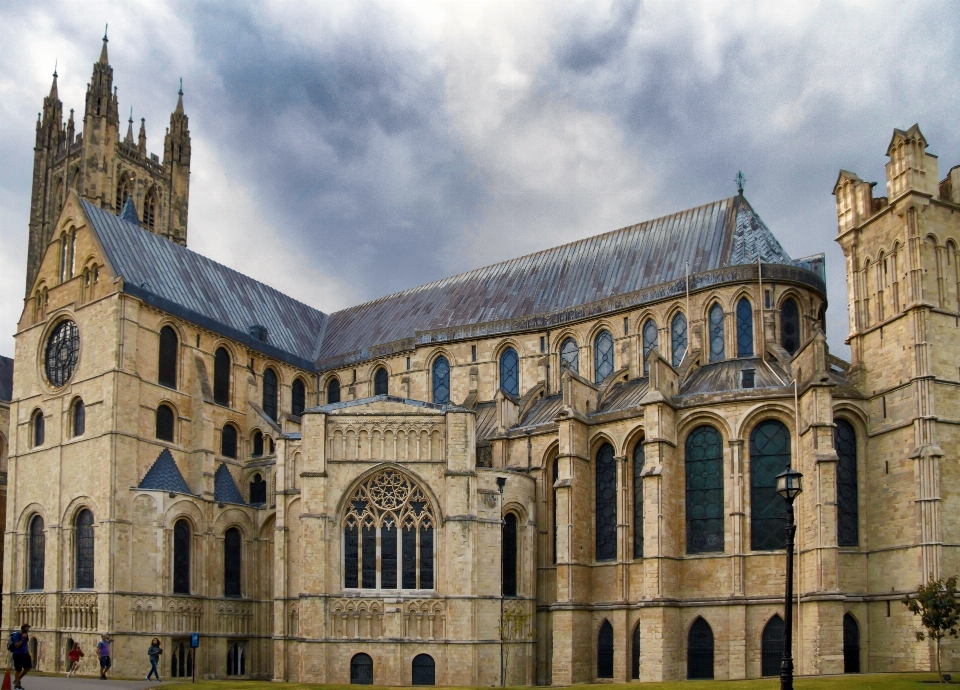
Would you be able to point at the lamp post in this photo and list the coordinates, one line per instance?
(788, 486)
(501, 482)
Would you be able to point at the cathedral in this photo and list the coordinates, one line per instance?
(552, 470)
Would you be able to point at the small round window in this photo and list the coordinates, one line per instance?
(63, 348)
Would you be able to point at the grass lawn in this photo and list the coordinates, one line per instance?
(878, 681)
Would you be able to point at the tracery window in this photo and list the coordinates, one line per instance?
(84, 553)
(602, 356)
(704, 492)
(181, 557)
(771, 647)
(789, 325)
(441, 381)
(38, 555)
(221, 377)
(605, 651)
(298, 397)
(38, 428)
(716, 333)
(228, 441)
(649, 342)
(638, 462)
(769, 456)
(845, 443)
(270, 393)
(150, 204)
(232, 560)
(570, 356)
(62, 352)
(333, 391)
(258, 490)
(381, 382)
(79, 420)
(510, 372)
(165, 423)
(124, 189)
(744, 328)
(167, 367)
(509, 555)
(391, 510)
(700, 650)
(606, 504)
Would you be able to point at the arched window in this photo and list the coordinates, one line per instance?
(221, 377)
(381, 382)
(509, 555)
(602, 356)
(424, 670)
(704, 494)
(84, 541)
(649, 342)
(848, 509)
(271, 448)
(771, 647)
(851, 644)
(150, 204)
(510, 372)
(441, 381)
(257, 444)
(270, 393)
(232, 560)
(79, 418)
(167, 367)
(333, 391)
(638, 462)
(716, 333)
(361, 669)
(298, 397)
(678, 338)
(258, 490)
(165, 419)
(789, 325)
(555, 477)
(68, 245)
(700, 650)
(237, 659)
(38, 428)
(37, 554)
(635, 654)
(570, 356)
(606, 504)
(124, 189)
(383, 505)
(228, 441)
(744, 328)
(769, 456)
(181, 557)
(605, 651)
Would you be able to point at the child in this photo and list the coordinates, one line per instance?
(74, 656)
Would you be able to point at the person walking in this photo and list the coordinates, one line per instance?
(103, 651)
(21, 654)
(154, 653)
(74, 656)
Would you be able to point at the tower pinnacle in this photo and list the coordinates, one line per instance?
(129, 137)
(53, 86)
(103, 51)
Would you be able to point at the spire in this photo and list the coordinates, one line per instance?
(129, 138)
(103, 51)
(180, 98)
(142, 139)
(53, 87)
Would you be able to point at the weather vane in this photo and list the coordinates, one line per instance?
(741, 180)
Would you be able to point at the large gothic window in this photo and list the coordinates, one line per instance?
(37, 554)
(62, 352)
(744, 328)
(605, 651)
(789, 325)
(167, 368)
(381, 382)
(181, 557)
(509, 555)
(150, 204)
(606, 504)
(769, 456)
(333, 391)
(700, 650)
(270, 393)
(165, 423)
(602, 356)
(124, 189)
(221, 377)
(510, 372)
(716, 333)
(298, 397)
(638, 461)
(704, 494)
(391, 511)
(771, 647)
(570, 356)
(441, 381)
(232, 560)
(848, 511)
(678, 338)
(649, 342)
(84, 551)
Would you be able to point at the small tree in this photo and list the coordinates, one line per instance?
(936, 604)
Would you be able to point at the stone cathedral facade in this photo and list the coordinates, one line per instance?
(551, 470)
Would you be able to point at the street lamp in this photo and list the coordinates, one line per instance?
(788, 486)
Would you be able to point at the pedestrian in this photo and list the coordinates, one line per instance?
(74, 656)
(103, 651)
(21, 654)
(154, 653)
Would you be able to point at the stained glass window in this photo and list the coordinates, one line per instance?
(845, 443)
(704, 493)
(769, 456)
(700, 650)
(39, 432)
(570, 356)
(351, 557)
(221, 377)
(37, 553)
(649, 342)
(851, 644)
(605, 651)
(333, 391)
(744, 328)
(510, 372)
(602, 356)
(181, 557)
(232, 561)
(635, 654)
(789, 325)
(63, 349)
(79, 418)
(716, 333)
(606, 504)
(771, 645)
(678, 337)
(167, 366)
(638, 461)
(270, 393)
(165, 423)
(441, 381)
(298, 397)
(84, 539)
(509, 555)
(388, 556)
(228, 441)
(381, 382)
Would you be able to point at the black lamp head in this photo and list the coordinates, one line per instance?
(501, 481)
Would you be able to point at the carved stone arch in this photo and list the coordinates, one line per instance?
(632, 438)
(437, 351)
(233, 517)
(691, 421)
(179, 329)
(185, 508)
(798, 297)
(854, 415)
(277, 369)
(75, 507)
(517, 509)
(28, 513)
(551, 452)
(603, 324)
(715, 297)
(598, 439)
(560, 336)
(411, 476)
(762, 412)
(647, 313)
(506, 342)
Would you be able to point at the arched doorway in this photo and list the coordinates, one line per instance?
(851, 644)
(424, 670)
(771, 647)
(361, 670)
(700, 650)
(605, 651)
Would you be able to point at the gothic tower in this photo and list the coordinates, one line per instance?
(105, 169)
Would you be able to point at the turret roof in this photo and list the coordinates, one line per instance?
(224, 488)
(164, 475)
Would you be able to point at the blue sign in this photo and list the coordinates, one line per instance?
(194, 640)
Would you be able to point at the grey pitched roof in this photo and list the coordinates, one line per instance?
(624, 395)
(725, 376)
(6, 379)
(164, 475)
(224, 488)
(182, 282)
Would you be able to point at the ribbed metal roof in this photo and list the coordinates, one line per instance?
(6, 379)
(543, 411)
(624, 395)
(725, 376)
(486, 419)
(164, 475)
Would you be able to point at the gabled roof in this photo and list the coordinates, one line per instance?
(6, 379)
(224, 488)
(164, 475)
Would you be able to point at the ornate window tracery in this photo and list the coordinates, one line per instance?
(602, 356)
(769, 456)
(704, 492)
(845, 443)
(441, 381)
(649, 342)
(678, 338)
(391, 511)
(717, 345)
(510, 372)
(62, 352)
(744, 328)
(606, 504)
(570, 356)
(789, 325)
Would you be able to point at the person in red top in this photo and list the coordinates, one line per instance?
(74, 656)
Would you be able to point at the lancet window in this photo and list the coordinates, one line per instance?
(649, 342)
(845, 443)
(570, 356)
(744, 328)
(510, 372)
(602, 356)
(298, 397)
(381, 382)
(606, 504)
(704, 494)
(769, 456)
(441, 381)
(789, 325)
(716, 333)
(638, 462)
(221, 377)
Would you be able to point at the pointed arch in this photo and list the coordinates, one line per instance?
(570, 355)
(771, 647)
(605, 504)
(440, 380)
(271, 390)
(715, 319)
(510, 371)
(635, 653)
(704, 490)
(744, 328)
(769, 456)
(221, 377)
(650, 342)
(124, 189)
(790, 325)
(700, 650)
(603, 358)
(638, 464)
(678, 338)
(848, 513)
(605, 650)
(151, 203)
(851, 644)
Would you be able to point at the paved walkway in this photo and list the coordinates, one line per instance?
(32, 682)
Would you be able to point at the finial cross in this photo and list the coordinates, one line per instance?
(741, 180)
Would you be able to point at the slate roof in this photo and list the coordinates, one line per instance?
(725, 376)
(224, 488)
(164, 475)
(6, 379)
(624, 395)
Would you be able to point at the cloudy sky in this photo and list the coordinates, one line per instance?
(345, 150)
